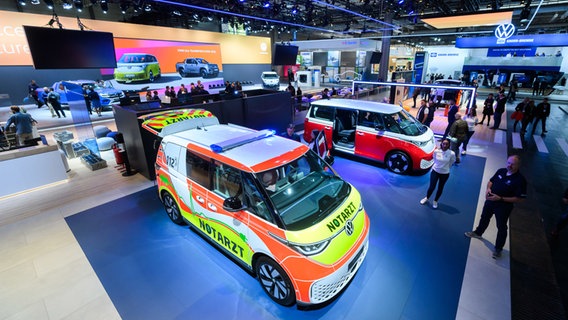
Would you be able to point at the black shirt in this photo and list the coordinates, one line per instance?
(503, 185)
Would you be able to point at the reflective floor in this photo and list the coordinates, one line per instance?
(45, 273)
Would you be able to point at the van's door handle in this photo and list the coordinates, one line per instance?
(360, 133)
(327, 128)
(212, 207)
(199, 199)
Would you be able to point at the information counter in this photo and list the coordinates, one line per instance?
(31, 167)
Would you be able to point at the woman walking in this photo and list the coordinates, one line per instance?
(444, 158)
(488, 109)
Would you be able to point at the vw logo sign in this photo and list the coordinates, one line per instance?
(349, 227)
(504, 32)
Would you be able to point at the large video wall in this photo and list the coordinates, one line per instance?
(237, 57)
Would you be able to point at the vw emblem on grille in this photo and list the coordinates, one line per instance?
(504, 32)
(349, 227)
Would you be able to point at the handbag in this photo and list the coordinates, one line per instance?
(517, 115)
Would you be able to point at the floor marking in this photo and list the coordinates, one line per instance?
(499, 136)
(563, 145)
(517, 143)
(540, 144)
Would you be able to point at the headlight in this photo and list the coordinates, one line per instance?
(420, 144)
(310, 249)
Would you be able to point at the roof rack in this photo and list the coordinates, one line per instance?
(241, 140)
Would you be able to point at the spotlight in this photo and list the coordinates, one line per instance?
(78, 5)
(266, 5)
(123, 7)
(49, 4)
(67, 5)
(400, 1)
(294, 10)
(36, 2)
(22, 2)
(104, 6)
(148, 7)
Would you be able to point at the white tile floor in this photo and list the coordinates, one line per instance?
(45, 275)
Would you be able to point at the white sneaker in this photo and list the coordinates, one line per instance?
(424, 201)
(463, 152)
(435, 204)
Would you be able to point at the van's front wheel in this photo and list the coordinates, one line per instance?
(398, 162)
(275, 281)
(172, 208)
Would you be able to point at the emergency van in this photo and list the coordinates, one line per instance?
(383, 132)
(270, 203)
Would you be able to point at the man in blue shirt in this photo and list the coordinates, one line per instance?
(23, 123)
(290, 134)
(506, 187)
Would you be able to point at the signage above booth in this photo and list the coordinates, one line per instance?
(533, 40)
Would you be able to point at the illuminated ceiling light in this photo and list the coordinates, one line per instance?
(400, 1)
(49, 4)
(266, 5)
(22, 2)
(294, 10)
(176, 13)
(104, 6)
(35, 2)
(78, 5)
(67, 5)
(148, 7)
(123, 7)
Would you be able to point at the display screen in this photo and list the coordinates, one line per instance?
(320, 59)
(376, 57)
(53, 48)
(284, 55)
(348, 58)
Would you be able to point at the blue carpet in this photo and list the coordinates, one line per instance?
(154, 269)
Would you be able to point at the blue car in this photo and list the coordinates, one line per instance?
(72, 90)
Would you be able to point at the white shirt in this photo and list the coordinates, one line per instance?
(443, 160)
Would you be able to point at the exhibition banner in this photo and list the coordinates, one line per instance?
(14, 49)
(533, 40)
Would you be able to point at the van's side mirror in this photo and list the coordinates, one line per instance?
(233, 204)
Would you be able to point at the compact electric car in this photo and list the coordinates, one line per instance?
(270, 79)
(137, 67)
(378, 131)
(282, 213)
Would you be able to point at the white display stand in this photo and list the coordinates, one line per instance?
(304, 78)
(28, 168)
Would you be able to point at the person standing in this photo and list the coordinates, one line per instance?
(528, 115)
(518, 114)
(23, 123)
(53, 98)
(513, 88)
(541, 112)
(488, 108)
(536, 86)
(499, 110)
(471, 120)
(87, 100)
(423, 111)
(458, 132)
(95, 101)
(451, 117)
(44, 95)
(444, 158)
(507, 187)
(543, 86)
(32, 93)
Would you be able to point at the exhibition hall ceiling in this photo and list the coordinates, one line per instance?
(413, 22)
